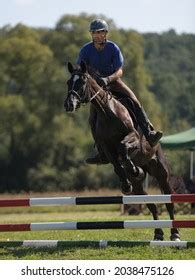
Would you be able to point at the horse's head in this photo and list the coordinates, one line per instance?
(76, 87)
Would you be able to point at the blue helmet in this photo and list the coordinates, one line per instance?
(98, 24)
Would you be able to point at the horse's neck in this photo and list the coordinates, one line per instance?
(107, 106)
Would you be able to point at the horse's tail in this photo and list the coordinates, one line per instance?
(164, 163)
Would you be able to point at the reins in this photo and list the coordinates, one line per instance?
(89, 89)
(94, 96)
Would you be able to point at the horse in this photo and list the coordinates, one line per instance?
(123, 144)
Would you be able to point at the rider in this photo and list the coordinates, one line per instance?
(106, 59)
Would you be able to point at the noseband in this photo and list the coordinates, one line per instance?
(76, 93)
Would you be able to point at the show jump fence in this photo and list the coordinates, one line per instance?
(141, 199)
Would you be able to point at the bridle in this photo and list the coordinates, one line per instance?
(77, 92)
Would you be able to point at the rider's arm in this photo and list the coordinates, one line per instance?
(117, 62)
(116, 75)
(104, 81)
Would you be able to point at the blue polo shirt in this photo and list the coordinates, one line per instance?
(106, 61)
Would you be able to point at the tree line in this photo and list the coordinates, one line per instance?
(42, 148)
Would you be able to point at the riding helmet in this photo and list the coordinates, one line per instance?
(98, 24)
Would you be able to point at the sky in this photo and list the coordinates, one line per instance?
(141, 15)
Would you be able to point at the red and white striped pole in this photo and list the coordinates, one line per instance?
(131, 199)
(98, 225)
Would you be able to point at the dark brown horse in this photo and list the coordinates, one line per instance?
(124, 146)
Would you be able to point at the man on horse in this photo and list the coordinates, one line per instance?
(106, 59)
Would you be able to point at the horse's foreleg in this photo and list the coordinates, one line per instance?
(131, 169)
(126, 186)
(112, 156)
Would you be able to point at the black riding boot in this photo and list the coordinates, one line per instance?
(151, 135)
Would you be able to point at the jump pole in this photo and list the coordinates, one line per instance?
(97, 225)
(94, 244)
(131, 199)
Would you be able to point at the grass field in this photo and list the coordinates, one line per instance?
(87, 213)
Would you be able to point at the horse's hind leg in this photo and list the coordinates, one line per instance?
(161, 172)
(170, 208)
(137, 176)
(139, 190)
(174, 231)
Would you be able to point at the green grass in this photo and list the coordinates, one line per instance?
(87, 213)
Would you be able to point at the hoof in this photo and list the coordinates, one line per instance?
(158, 237)
(175, 237)
(126, 188)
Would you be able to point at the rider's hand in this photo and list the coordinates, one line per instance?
(103, 82)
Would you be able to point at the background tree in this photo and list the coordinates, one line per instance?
(42, 147)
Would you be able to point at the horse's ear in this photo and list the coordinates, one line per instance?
(83, 66)
(70, 67)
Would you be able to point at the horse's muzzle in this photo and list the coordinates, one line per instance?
(71, 106)
(68, 107)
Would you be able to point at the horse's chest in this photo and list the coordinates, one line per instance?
(109, 131)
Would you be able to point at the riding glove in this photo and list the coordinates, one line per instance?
(103, 81)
